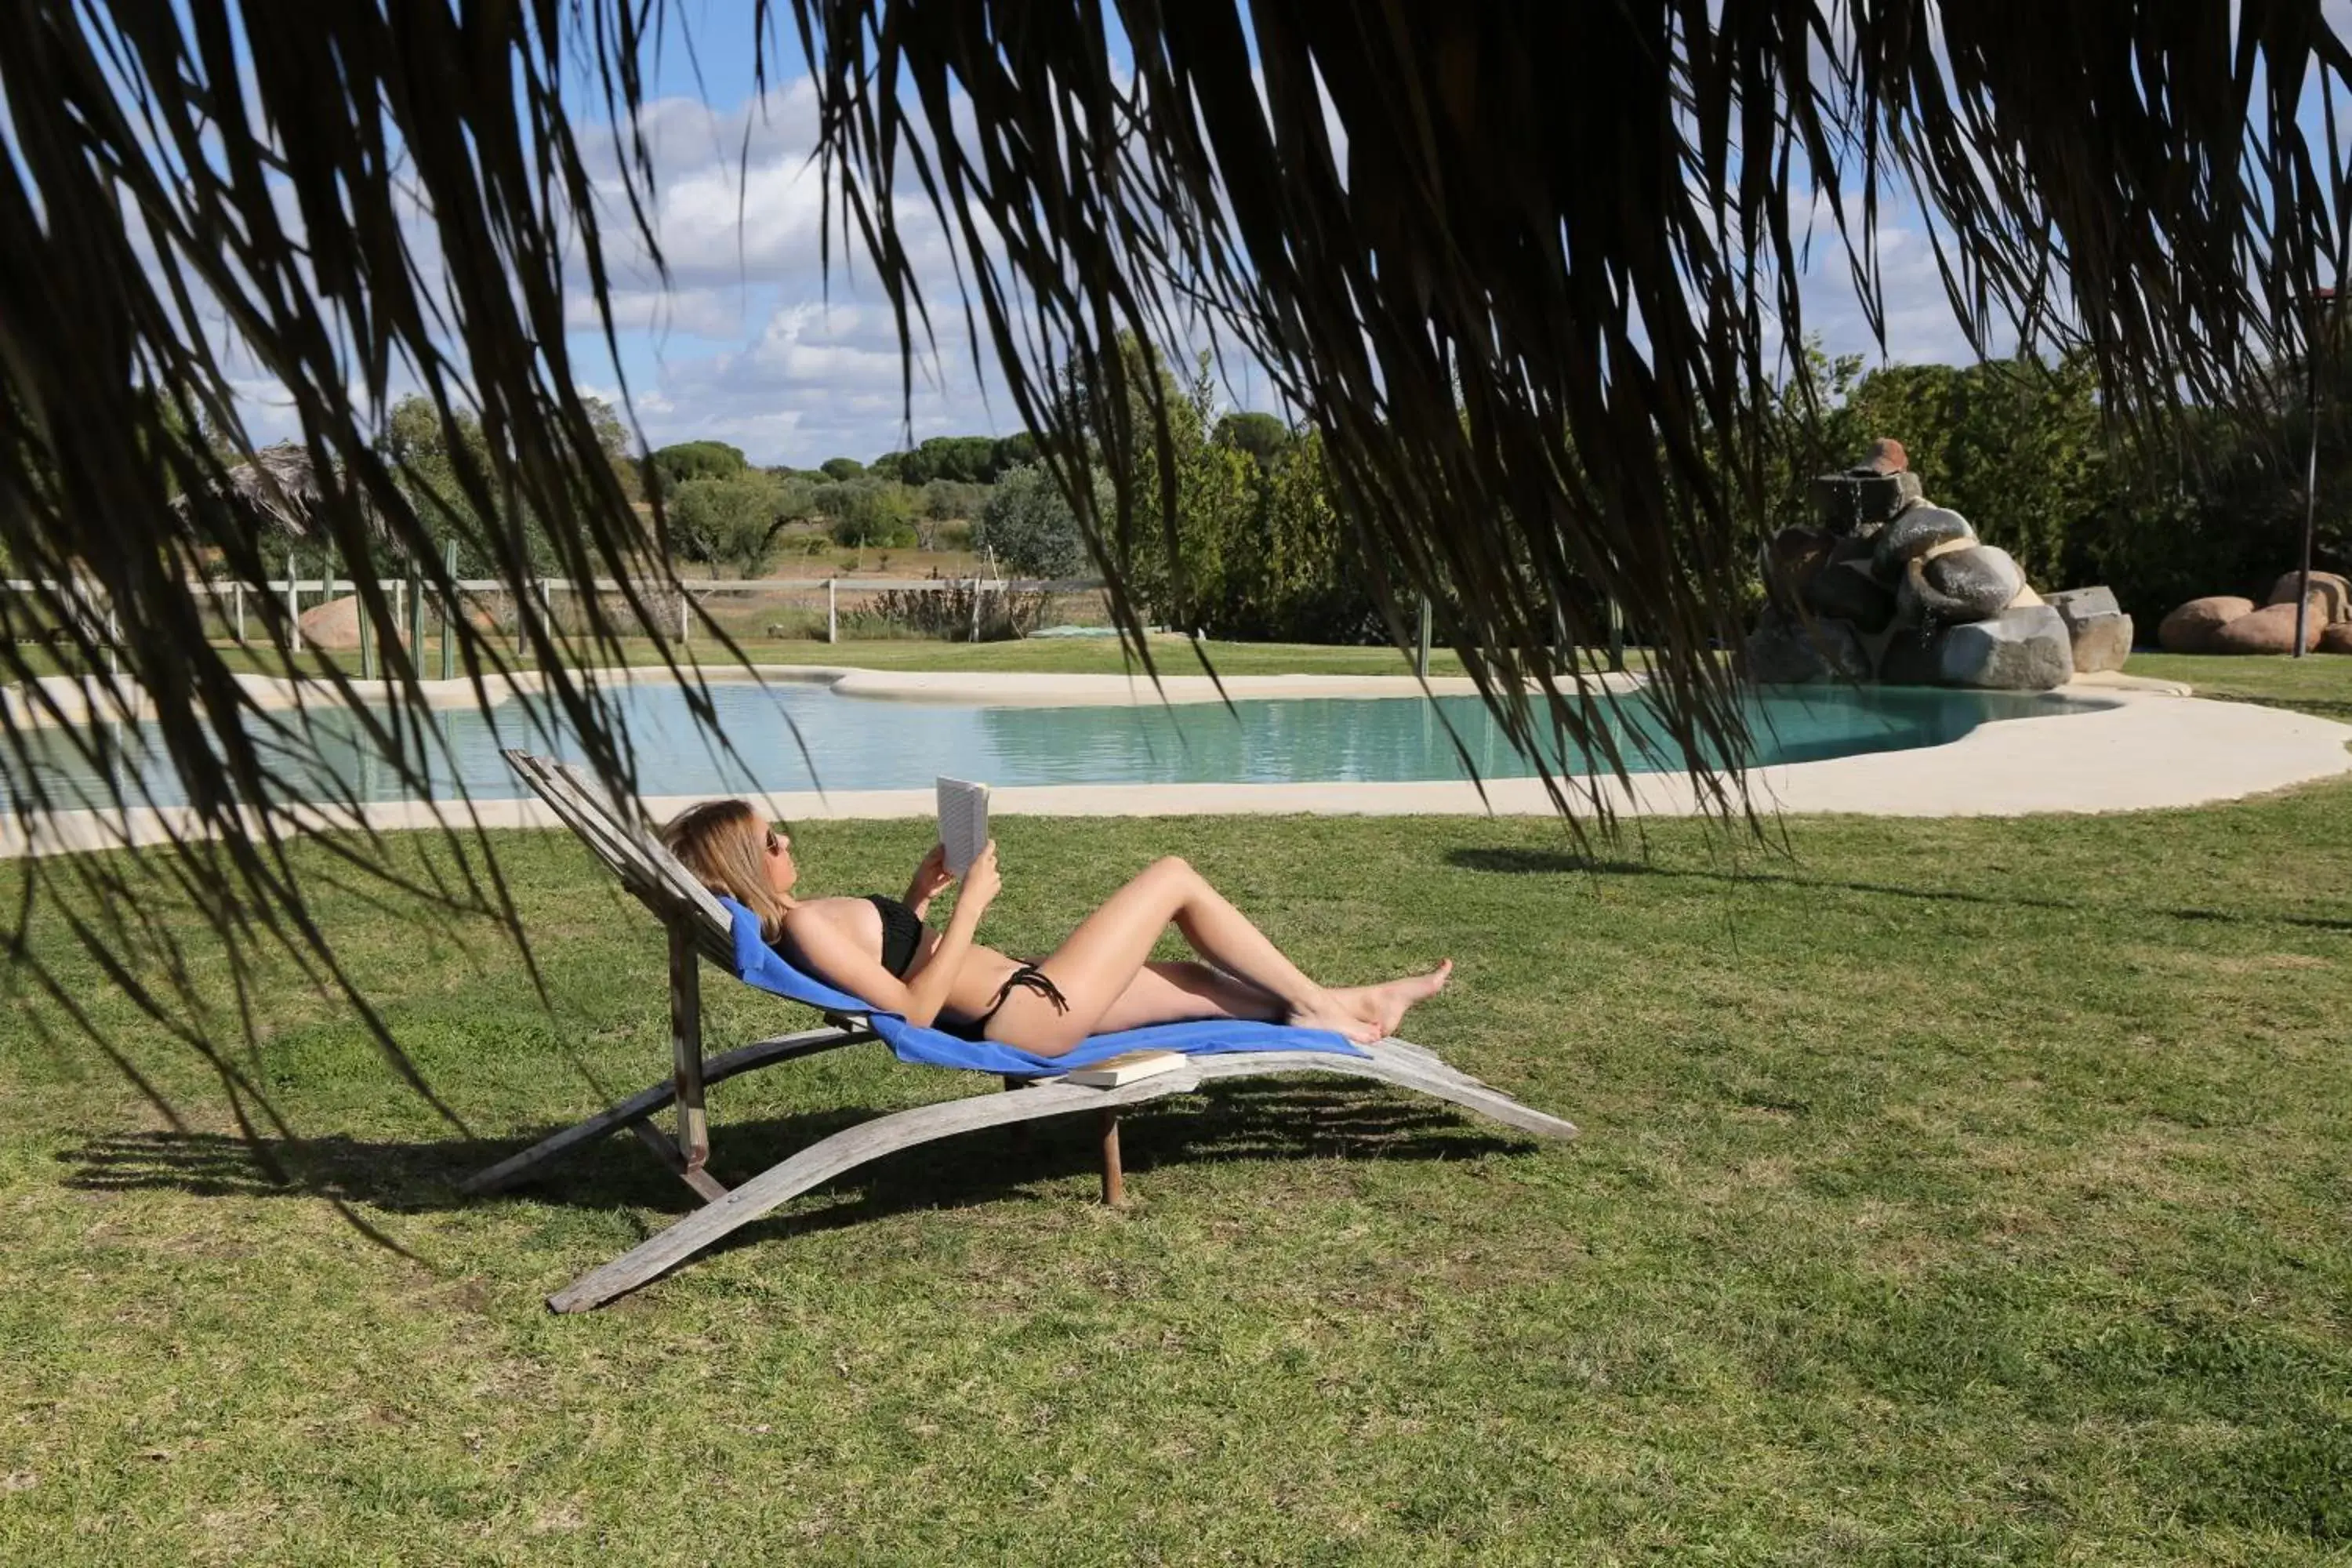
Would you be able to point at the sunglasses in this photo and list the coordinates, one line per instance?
(775, 845)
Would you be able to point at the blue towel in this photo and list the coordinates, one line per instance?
(757, 963)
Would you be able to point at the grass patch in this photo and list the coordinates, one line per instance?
(2318, 683)
(1966, 1190)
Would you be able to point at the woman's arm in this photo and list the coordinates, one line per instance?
(841, 959)
(933, 976)
(929, 879)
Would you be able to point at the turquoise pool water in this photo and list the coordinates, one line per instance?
(854, 744)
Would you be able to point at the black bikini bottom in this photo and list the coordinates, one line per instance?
(1028, 977)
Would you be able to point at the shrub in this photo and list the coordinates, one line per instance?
(948, 613)
(1029, 528)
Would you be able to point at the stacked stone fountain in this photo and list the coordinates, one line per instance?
(1890, 588)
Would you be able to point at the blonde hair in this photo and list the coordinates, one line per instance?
(724, 844)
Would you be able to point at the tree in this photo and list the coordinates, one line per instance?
(444, 462)
(730, 522)
(1261, 435)
(699, 460)
(870, 513)
(842, 468)
(2017, 447)
(944, 500)
(613, 438)
(1029, 528)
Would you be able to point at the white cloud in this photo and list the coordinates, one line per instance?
(757, 337)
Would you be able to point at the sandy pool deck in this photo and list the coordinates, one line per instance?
(2144, 747)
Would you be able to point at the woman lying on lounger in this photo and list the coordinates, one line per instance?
(1101, 979)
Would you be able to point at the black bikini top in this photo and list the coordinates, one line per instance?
(902, 935)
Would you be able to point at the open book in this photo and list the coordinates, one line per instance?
(963, 823)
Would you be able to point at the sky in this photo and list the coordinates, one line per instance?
(748, 341)
(752, 344)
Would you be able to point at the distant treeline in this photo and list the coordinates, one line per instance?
(958, 460)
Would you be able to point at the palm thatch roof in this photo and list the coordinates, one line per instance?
(1528, 269)
(277, 487)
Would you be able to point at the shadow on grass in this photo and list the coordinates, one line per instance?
(1559, 863)
(1269, 1121)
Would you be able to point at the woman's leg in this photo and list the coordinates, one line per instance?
(1179, 991)
(1095, 966)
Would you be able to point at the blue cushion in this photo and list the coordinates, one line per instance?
(757, 963)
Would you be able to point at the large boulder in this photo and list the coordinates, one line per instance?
(333, 625)
(1855, 546)
(2101, 632)
(1847, 592)
(2018, 650)
(2270, 629)
(1916, 533)
(1846, 502)
(1790, 560)
(2190, 628)
(1964, 584)
(2336, 639)
(1913, 656)
(2071, 602)
(2334, 591)
(1787, 652)
(1885, 456)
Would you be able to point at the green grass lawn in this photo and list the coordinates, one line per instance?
(2320, 683)
(2316, 683)
(1964, 1191)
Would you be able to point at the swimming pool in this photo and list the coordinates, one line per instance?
(853, 743)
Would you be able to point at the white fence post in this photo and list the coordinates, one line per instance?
(975, 609)
(293, 608)
(685, 614)
(240, 614)
(832, 613)
(454, 606)
(367, 632)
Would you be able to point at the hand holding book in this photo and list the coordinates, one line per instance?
(963, 823)
(981, 884)
(930, 877)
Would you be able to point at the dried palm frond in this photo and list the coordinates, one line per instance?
(277, 487)
(1526, 268)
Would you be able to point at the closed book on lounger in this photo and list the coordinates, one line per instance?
(1125, 1067)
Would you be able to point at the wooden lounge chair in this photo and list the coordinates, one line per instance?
(699, 927)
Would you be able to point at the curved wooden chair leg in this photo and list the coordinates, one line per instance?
(828, 1158)
(639, 1106)
(1389, 1061)
(1114, 1175)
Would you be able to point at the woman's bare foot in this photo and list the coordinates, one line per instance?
(1384, 1007)
(1339, 1015)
